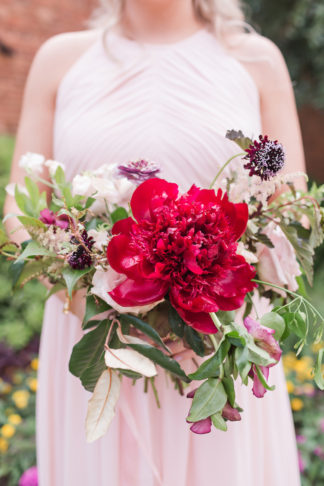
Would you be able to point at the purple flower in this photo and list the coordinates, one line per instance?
(263, 337)
(318, 451)
(301, 439)
(29, 477)
(301, 463)
(50, 218)
(265, 158)
(139, 170)
(81, 257)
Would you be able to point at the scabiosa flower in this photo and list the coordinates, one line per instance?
(139, 170)
(81, 257)
(265, 158)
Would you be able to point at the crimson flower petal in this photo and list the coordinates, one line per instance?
(151, 194)
(201, 321)
(123, 226)
(258, 389)
(133, 293)
(122, 258)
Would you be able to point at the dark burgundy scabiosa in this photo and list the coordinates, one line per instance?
(265, 158)
(139, 170)
(81, 257)
(50, 218)
(184, 246)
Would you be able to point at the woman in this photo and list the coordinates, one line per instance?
(178, 88)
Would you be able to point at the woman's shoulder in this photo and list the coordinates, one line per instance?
(55, 55)
(261, 57)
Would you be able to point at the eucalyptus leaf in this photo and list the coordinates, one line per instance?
(119, 214)
(72, 276)
(209, 399)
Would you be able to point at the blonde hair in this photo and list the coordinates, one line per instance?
(219, 15)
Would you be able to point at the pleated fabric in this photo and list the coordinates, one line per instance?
(170, 103)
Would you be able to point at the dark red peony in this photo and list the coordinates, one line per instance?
(182, 245)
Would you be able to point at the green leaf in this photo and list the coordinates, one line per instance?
(226, 317)
(263, 380)
(34, 249)
(144, 327)
(130, 374)
(29, 221)
(258, 355)
(209, 399)
(303, 249)
(118, 215)
(176, 323)
(72, 276)
(90, 324)
(33, 191)
(31, 269)
(56, 288)
(94, 306)
(318, 377)
(218, 421)
(15, 270)
(24, 203)
(210, 367)
(89, 349)
(195, 341)
(229, 388)
(298, 325)
(161, 359)
(264, 239)
(92, 374)
(59, 176)
(238, 137)
(242, 362)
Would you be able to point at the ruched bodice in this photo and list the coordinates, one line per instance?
(171, 103)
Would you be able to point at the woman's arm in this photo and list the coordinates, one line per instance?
(35, 128)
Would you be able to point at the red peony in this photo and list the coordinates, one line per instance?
(182, 245)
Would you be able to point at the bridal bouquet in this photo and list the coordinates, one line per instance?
(161, 266)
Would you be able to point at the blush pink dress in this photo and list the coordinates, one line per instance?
(170, 103)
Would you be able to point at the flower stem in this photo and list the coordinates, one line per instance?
(223, 167)
(155, 392)
(216, 321)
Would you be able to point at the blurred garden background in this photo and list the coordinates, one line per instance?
(297, 27)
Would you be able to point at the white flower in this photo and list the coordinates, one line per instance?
(53, 165)
(248, 255)
(32, 163)
(114, 191)
(100, 238)
(10, 189)
(82, 185)
(105, 281)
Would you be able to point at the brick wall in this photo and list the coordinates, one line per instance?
(25, 24)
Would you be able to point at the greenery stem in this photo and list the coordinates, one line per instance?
(216, 321)
(223, 167)
(155, 392)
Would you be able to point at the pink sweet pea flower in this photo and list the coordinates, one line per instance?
(263, 337)
(50, 218)
(29, 477)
